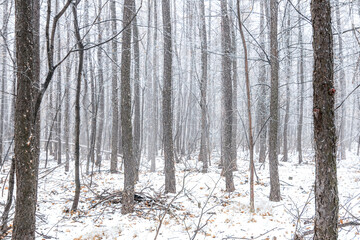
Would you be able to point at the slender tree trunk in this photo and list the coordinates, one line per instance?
(203, 89)
(58, 99)
(234, 94)
(67, 106)
(115, 103)
(248, 93)
(126, 125)
(301, 73)
(274, 105)
(101, 100)
(170, 184)
(4, 77)
(227, 97)
(342, 84)
(137, 122)
(154, 108)
(77, 109)
(5, 215)
(288, 78)
(262, 111)
(326, 193)
(27, 124)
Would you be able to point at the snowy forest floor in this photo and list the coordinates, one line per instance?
(202, 210)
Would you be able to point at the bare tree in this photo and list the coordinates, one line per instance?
(326, 193)
(203, 155)
(170, 183)
(274, 105)
(301, 97)
(226, 97)
(248, 93)
(261, 107)
(77, 106)
(115, 102)
(137, 123)
(101, 99)
(126, 125)
(27, 127)
(288, 78)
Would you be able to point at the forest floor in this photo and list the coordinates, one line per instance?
(202, 209)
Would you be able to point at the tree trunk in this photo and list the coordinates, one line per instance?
(203, 90)
(154, 109)
(126, 125)
(27, 124)
(326, 193)
(248, 93)
(301, 73)
(115, 103)
(77, 109)
(262, 111)
(137, 137)
(170, 184)
(342, 83)
(58, 99)
(274, 105)
(288, 78)
(101, 100)
(227, 98)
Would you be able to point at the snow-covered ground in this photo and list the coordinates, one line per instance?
(202, 210)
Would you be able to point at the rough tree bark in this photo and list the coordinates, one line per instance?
(27, 124)
(170, 183)
(226, 97)
(326, 193)
(126, 125)
(274, 105)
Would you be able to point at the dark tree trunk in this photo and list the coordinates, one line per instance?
(170, 184)
(274, 105)
(27, 132)
(77, 109)
(326, 192)
(126, 125)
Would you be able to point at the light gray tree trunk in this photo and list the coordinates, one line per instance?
(301, 76)
(342, 83)
(137, 122)
(203, 155)
(274, 105)
(226, 98)
(262, 111)
(126, 124)
(101, 100)
(288, 78)
(115, 103)
(170, 183)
